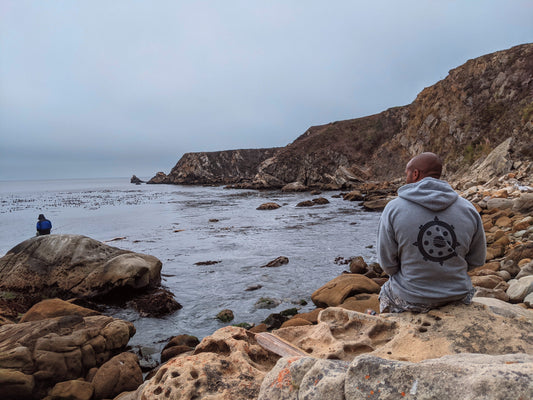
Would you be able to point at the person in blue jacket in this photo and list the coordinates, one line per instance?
(44, 226)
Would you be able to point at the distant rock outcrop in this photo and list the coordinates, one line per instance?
(478, 106)
(136, 180)
(216, 168)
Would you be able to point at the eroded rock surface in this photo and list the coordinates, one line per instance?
(36, 355)
(227, 365)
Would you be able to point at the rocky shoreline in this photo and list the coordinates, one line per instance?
(58, 349)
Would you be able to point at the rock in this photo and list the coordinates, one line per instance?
(51, 308)
(296, 321)
(497, 163)
(520, 288)
(499, 294)
(294, 187)
(178, 345)
(136, 180)
(121, 373)
(487, 326)
(311, 316)
(354, 195)
(488, 281)
(503, 222)
(71, 390)
(275, 320)
(218, 167)
(362, 303)
(523, 224)
(268, 206)
(252, 288)
(525, 270)
(266, 302)
(519, 253)
(501, 204)
(226, 365)
(155, 303)
(336, 291)
(510, 266)
(460, 376)
(75, 266)
(378, 204)
(306, 203)
(225, 315)
(58, 349)
(358, 265)
(305, 378)
(278, 262)
(15, 385)
(528, 301)
(320, 200)
(209, 262)
(160, 177)
(524, 204)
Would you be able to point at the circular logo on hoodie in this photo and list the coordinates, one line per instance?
(436, 241)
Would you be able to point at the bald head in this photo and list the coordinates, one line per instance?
(422, 166)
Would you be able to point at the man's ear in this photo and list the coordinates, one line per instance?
(416, 175)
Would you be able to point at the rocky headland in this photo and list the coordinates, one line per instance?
(480, 105)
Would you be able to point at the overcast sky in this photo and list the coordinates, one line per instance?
(112, 88)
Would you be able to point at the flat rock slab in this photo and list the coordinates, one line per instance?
(459, 376)
(75, 266)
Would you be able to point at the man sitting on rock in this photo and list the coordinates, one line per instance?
(428, 238)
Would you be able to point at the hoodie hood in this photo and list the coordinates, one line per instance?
(433, 194)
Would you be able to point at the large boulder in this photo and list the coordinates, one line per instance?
(459, 376)
(75, 266)
(36, 355)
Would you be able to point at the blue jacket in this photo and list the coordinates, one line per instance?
(44, 225)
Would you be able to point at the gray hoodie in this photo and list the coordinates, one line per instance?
(428, 238)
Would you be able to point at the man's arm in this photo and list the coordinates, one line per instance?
(477, 253)
(387, 246)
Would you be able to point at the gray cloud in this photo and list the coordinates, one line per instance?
(96, 88)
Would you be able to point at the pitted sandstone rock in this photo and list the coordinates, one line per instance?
(487, 326)
(226, 365)
(36, 355)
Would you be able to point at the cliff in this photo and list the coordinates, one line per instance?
(463, 118)
(218, 167)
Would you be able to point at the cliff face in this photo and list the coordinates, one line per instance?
(463, 118)
(219, 167)
(468, 114)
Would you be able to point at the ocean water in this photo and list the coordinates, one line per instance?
(184, 225)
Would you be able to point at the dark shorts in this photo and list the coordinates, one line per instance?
(390, 303)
